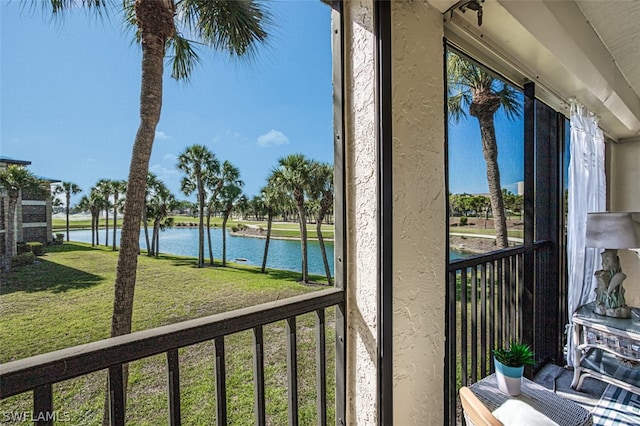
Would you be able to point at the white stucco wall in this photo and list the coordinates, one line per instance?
(361, 205)
(418, 213)
(624, 195)
(419, 224)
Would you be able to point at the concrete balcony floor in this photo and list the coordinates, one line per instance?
(558, 379)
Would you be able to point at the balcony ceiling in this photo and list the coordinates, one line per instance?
(583, 49)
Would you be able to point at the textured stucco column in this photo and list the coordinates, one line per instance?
(624, 192)
(361, 205)
(419, 225)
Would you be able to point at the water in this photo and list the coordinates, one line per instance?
(283, 254)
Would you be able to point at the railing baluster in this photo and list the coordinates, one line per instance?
(451, 352)
(221, 382)
(116, 396)
(464, 342)
(173, 379)
(492, 311)
(321, 368)
(474, 324)
(500, 303)
(258, 376)
(43, 405)
(292, 371)
(483, 320)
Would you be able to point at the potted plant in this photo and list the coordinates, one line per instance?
(509, 364)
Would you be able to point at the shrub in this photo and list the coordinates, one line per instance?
(517, 355)
(36, 248)
(22, 248)
(23, 259)
(463, 221)
(59, 239)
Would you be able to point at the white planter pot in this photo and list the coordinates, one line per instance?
(509, 378)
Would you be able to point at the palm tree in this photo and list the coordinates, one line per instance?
(322, 192)
(230, 192)
(199, 163)
(160, 205)
(273, 198)
(13, 181)
(233, 26)
(470, 86)
(93, 203)
(293, 174)
(152, 183)
(119, 187)
(68, 188)
(104, 187)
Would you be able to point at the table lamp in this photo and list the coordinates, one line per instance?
(612, 231)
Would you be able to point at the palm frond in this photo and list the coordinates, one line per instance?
(232, 25)
(184, 57)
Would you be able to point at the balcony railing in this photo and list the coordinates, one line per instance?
(493, 299)
(39, 373)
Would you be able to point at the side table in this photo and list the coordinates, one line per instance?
(606, 348)
(537, 403)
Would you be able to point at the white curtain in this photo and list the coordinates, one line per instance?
(587, 193)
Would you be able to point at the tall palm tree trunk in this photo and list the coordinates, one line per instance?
(115, 220)
(146, 230)
(200, 224)
(209, 237)
(155, 22)
(68, 201)
(266, 243)
(303, 242)
(224, 240)
(97, 219)
(106, 229)
(490, 153)
(325, 261)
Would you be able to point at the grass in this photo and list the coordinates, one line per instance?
(279, 229)
(66, 299)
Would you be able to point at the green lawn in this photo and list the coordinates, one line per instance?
(66, 299)
(279, 229)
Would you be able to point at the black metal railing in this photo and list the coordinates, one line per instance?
(490, 301)
(39, 373)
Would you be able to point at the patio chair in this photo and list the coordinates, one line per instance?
(475, 412)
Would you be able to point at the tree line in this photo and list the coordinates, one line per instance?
(298, 188)
(466, 205)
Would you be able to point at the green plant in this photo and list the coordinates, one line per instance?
(23, 259)
(517, 355)
(22, 248)
(463, 220)
(36, 248)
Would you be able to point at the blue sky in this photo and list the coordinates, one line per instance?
(467, 168)
(70, 97)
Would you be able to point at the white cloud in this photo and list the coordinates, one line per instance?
(160, 170)
(170, 157)
(161, 136)
(272, 137)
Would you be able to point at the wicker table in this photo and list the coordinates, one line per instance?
(607, 349)
(539, 403)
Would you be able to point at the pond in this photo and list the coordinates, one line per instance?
(283, 254)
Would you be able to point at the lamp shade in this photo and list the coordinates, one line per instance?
(613, 230)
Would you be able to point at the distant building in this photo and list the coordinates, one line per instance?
(33, 215)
